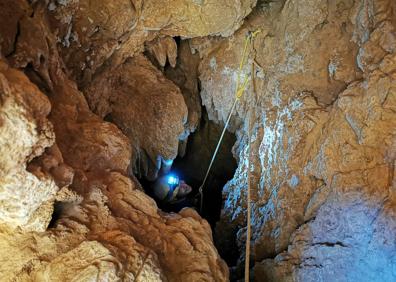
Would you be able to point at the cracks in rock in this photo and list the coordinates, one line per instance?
(361, 170)
(354, 129)
(302, 224)
(320, 25)
(15, 41)
(18, 31)
(330, 244)
(35, 76)
(391, 174)
(279, 252)
(310, 93)
(147, 254)
(304, 264)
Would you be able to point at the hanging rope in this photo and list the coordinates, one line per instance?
(248, 194)
(248, 200)
(239, 90)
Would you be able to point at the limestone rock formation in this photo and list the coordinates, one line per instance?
(62, 163)
(97, 38)
(95, 33)
(163, 49)
(185, 75)
(322, 138)
(92, 91)
(146, 106)
(25, 132)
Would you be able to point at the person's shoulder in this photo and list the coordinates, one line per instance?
(162, 179)
(161, 189)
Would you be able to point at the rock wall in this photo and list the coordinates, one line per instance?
(82, 107)
(25, 133)
(70, 209)
(321, 142)
(96, 39)
(147, 107)
(98, 33)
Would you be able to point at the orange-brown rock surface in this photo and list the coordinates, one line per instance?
(147, 107)
(62, 163)
(26, 199)
(99, 34)
(92, 91)
(322, 138)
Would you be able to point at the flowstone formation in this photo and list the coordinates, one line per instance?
(78, 103)
(322, 147)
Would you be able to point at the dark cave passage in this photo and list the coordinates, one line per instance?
(195, 155)
(193, 165)
(192, 168)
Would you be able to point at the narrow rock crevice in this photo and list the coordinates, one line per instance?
(194, 164)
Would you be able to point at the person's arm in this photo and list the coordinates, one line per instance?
(161, 190)
(172, 193)
(175, 192)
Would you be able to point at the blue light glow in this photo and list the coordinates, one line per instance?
(168, 162)
(173, 180)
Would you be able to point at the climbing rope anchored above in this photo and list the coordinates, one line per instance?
(239, 91)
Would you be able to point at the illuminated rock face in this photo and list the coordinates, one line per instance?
(322, 138)
(95, 32)
(81, 104)
(97, 37)
(137, 97)
(25, 133)
(59, 161)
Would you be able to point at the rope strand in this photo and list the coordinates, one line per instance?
(215, 152)
(249, 196)
(248, 231)
(239, 91)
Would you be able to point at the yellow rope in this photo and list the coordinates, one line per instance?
(249, 39)
(239, 91)
(241, 64)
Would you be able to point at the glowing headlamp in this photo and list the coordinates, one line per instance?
(173, 180)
